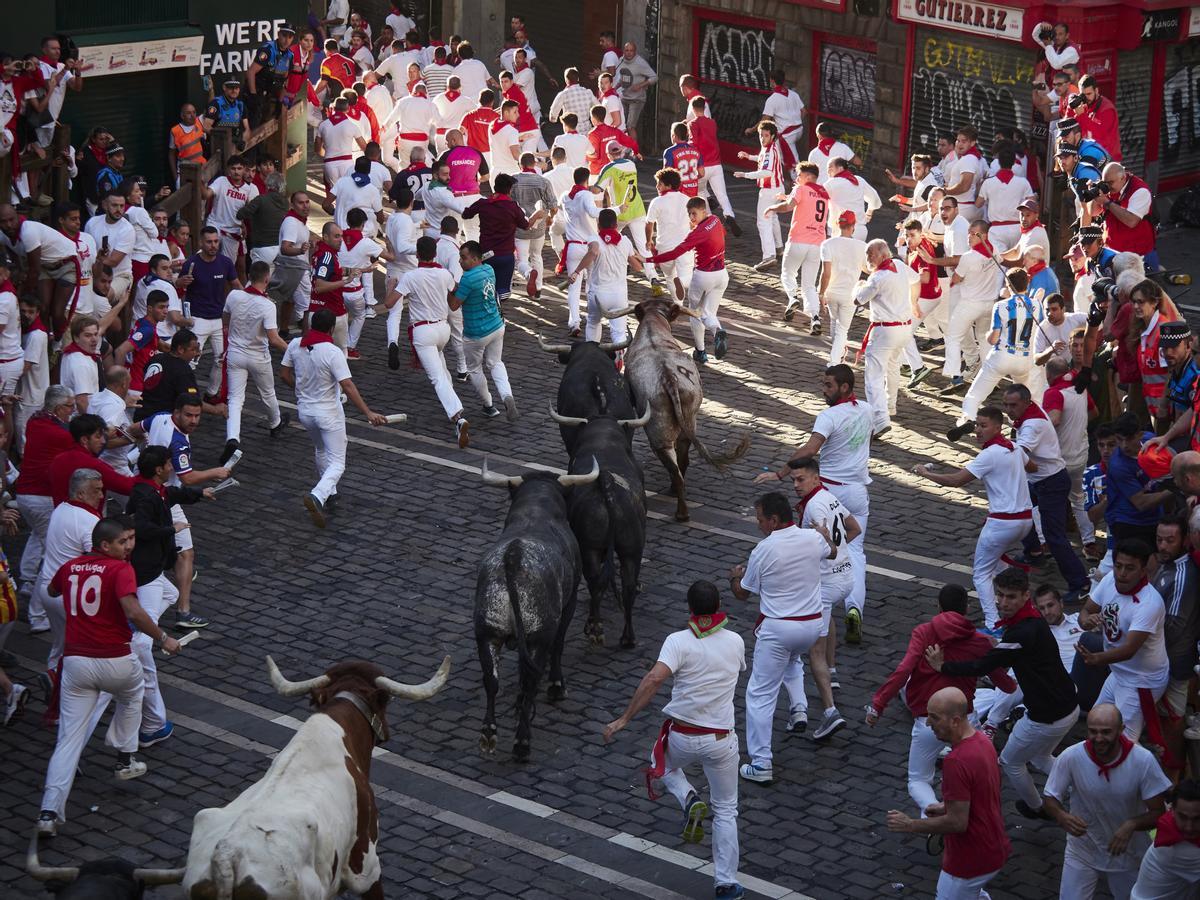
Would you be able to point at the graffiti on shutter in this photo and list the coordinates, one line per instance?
(739, 55)
(960, 82)
(847, 82)
(734, 112)
(1179, 149)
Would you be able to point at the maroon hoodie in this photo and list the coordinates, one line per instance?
(959, 640)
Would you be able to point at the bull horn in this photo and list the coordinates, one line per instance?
(639, 421)
(160, 876)
(416, 691)
(47, 873)
(571, 480)
(499, 480)
(685, 311)
(627, 311)
(553, 348)
(566, 420)
(287, 688)
(616, 345)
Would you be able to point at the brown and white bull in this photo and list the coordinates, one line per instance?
(309, 828)
(664, 377)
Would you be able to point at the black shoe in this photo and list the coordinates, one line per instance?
(393, 357)
(721, 344)
(284, 418)
(331, 504)
(1030, 813)
(958, 432)
(789, 311)
(732, 225)
(930, 344)
(700, 356)
(461, 377)
(814, 328)
(231, 447)
(956, 386)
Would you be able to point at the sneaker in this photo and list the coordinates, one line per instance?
(1077, 597)
(39, 625)
(989, 731)
(47, 823)
(814, 327)
(491, 412)
(316, 509)
(833, 680)
(460, 432)
(721, 344)
(461, 377)
(730, 891)
(830, 722)
(285, 419)
(135, 768)
(231, 447)
(531, 284)
(906, 371)
(797, 720)
(510, 407)
(853, 626)
(1030, 813)
(960, 431)
(732, 225)
(694, 813)
(331, 504)
(353, 355)
(758, 774)
(190, 620)
(957, 386)
(700, 356)
(789, 311)
(919, 376)
(393, 357)
(765, 263)
(657, 290)
(149, 739)
(16, 701)
(372, 313)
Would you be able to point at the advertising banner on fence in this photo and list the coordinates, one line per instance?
(141, 56)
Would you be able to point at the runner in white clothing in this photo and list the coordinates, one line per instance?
(843, 262)
(450, 107)
(667, 225)
(402, 237)
(849, 192)
(338, 140)
(785, 108)
(228, 193)
(768, 173)
(607, 261)
(828, 147)
(704, 660)
(579, 208)
(360, 253)
(891, 294)
(966, 173)
(448, 258)
(316, 367)
(784, 570)
(1000, 198)
(411, 124)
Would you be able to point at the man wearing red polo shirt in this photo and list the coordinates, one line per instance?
(702, 130)
(87, 432)
(600, 135)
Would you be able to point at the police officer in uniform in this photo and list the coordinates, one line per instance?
(228, 110)
(268, 74)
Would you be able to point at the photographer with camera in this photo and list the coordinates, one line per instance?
(1097, 117)
(1126, 205)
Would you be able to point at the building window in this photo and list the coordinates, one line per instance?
(76, 16)
(844, 80)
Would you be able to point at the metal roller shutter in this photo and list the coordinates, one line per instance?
(558, 40)
(1133, 102)
(139, 109)
(1179, 146)
(960, 80)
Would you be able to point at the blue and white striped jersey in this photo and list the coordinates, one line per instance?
(1017, 318)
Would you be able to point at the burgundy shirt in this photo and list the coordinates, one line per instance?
(45, 438)
(65, 465)
(499, 219)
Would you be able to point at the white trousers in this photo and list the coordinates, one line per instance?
(604, 299)
(155, 598)
(719, 759)
(338, 168)
(232, 245)
(882, 376)
(966, 335)
(1125, 698)
(56, 616)
(575, 253)
(858, 503)
(456, 340)
(35, 510)
(487, 351)
(713, 182)
(995, 538)
(83, 681)
(1004, 237)
(356, 315)
(804, 259)
(770, 236)
(264, 254)
(705, 293)
(1079, 881)
(923, 751)
(637, 234)
(529, 257)
(429, 340)
(558, 233)
(835, 589)
(994, 706)
(1032, 742)
(933, 316)
(206, 330)
(780, 644)
(841, 314)
(328, 433)
(393, 317)
(997, 365)
(243, 367)
(950, 887)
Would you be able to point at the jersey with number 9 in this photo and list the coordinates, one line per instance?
(92, 587)
(810, 214)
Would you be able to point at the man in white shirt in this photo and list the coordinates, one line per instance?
(79, 370)
(59, 262)
(705, 660)
(411, 124)
(1171, 868)
(58, 75)
(316, 367)
(784, 570)
(339, 140)
(250, 324)
(401, 233)
(159, 279)
(891, 294)
(112, 405)
(35, 376)
(1115, 791)
(1000, 197)
(785, 108)
(395, 66)
(667, 224)
(356, 190)
(843, 260)
(574, 140)
(291, 279)
(114, 237)
(580, 212)
(472, 73)
(975, 284)
(440, 201)
(850, 193)
(229, 193)
(925, 179)
(828, 148)
(448, 257)
(147, 240)
(607, 263)
(359, 252)
(12, 359)
(450, 107)
(561, 177)
(965, 175)
(505, 141)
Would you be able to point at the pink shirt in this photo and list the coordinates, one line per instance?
(810, 214)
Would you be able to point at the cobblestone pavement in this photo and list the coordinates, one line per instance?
(392, 580)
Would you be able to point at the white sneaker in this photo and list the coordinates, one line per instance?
(751, 772)
(135, 769)
(797, 720)
(16, 701)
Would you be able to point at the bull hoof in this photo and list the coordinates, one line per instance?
(594, 631)
(487, 740)
(556, 691)
(682, 516)
(628, 642)
(521, 752)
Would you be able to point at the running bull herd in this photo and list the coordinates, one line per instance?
(309, 828)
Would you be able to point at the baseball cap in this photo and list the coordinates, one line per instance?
(847, 217)
(1173, 332)
(1029, 204)
(613, 147)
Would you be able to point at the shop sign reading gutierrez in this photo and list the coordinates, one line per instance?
(986, 19)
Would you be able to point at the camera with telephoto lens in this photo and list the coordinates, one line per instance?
(1104, 291)
(1045, 33)
(1076, 101)
(1092, 190)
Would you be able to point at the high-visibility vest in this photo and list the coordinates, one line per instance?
(188, 144)
(1154, 368)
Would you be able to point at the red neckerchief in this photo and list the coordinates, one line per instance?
(1033, 412)
(1036, 224)
(703, 626)
(1168, 833)
(849, 398)
(312, 337)
(495, 198)
(887, 266)
(1105, 768)
(93, 510)
(781, 89)
(928, 247)
(75, 348)
(848, 175)
(336, 118)
(531, 170)
(1137, 587)
(428, 264)
(1025, 612)
(451, 96)
(292, 214)
(51, 63)
(1065, 382)
(160, 489)
(1004, 176)
(412, 87)
(826, 144)
(521, 67)
(610, 236)
(1000, 441)
(611, 92)
(35, 325)
(6, 286)
(1036, 267)
(500, 123)
(174, 243)
(351, 236)
(804, 501)
(575, 189)
(255, 291)
(973, 151)
(983, 248)
(100, 154)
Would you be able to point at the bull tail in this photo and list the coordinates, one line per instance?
(512, 562)
(718, 461)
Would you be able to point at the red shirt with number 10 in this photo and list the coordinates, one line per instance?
(92, 586)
